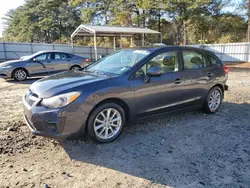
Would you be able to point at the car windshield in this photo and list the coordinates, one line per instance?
(119, 62)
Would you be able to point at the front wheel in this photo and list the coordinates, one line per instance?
(20, 75)
(106, 123)
(213, 100)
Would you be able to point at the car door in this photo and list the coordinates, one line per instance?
(41, 64)
(163, 92)
(60, 62)
(196, 76)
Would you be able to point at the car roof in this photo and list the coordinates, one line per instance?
(154, 49)
(52, 51)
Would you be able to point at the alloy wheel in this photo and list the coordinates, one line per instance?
(20, 75)
(214, 100)
(107, 123)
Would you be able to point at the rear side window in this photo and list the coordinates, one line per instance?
(60, 56)
(213, 60)
(193, 59)
(70, 56)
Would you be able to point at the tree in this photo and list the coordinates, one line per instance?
(41, 21)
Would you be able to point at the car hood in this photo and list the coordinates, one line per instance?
(13, 62)
(62, 82)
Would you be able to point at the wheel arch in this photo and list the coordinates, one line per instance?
(220, 86)
(75, 65)
(12, 73)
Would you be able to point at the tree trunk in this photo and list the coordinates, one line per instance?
(185, 36)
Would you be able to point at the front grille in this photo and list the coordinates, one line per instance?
(31, 98)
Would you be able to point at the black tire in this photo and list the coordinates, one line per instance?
(207, 107)
(91, 122)
(75, 67)
(17, 74)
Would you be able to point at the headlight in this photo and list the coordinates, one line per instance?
(60, 100)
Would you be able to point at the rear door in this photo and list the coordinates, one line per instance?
(60, 62)
(196, 76)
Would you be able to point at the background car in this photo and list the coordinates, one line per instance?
(40, 64)
(124, 87)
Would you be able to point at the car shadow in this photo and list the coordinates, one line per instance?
(185, 150)
(28, 81)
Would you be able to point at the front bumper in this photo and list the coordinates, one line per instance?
(5, 73)
(52, 123)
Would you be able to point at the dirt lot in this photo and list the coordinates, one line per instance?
(187, 150)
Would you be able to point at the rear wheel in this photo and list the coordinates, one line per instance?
(106, 123)
(20, 74)
(75, 67)
(213, 100)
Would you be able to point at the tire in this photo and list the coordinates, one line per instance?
(75, 67)
(20, 74)
(213, 100)
(98, 124)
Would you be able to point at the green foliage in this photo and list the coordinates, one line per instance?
(180, 21)
(41, 21)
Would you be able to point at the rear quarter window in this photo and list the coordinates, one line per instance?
(70, 56)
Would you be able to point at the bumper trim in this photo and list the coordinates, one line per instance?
(58, 137)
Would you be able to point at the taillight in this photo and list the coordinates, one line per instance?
(86, 60)
(225, 69)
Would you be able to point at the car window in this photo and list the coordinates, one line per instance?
(70, 56)
(44, 57)
(119, 62)
(60, 56)
(193, 59)
(167, 61)
(213, 60)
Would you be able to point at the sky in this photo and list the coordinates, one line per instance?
(11, 4)
(5, 6)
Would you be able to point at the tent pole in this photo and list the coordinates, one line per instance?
(72, 42)
(114, 44)
(95, 46)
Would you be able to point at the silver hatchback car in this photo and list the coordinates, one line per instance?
(40, 64)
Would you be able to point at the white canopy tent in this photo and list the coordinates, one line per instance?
(110, 31)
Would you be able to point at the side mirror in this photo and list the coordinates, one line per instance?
(34, 59)
(154, 71)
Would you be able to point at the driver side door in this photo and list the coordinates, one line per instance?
(42, 65)
(161, 93)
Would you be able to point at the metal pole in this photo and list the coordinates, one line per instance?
(95, 47)
(114, 44)
(120, 41)
(161, 37)
(131, 41)
(72, 44)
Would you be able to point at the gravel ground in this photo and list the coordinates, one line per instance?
(186, 150)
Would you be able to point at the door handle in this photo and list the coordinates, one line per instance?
(177, 81)
(209, 74)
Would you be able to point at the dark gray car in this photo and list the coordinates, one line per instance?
(40, 64)
(122, 88)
